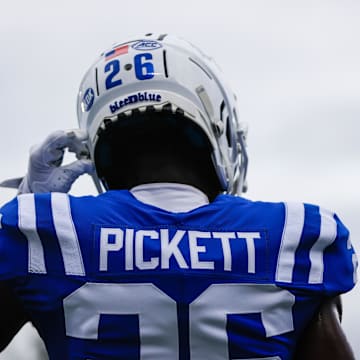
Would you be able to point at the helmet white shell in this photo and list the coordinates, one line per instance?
(163, 70)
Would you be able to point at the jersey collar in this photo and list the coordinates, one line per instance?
(173, 197)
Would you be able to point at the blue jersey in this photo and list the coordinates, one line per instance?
(109, 277)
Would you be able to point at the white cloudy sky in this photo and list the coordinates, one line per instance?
(294, 64)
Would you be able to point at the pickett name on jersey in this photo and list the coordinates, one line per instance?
(164, 249)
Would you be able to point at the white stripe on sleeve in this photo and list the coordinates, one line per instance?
(27, 225)
(66, 234)
(293, 227)
(328, 232)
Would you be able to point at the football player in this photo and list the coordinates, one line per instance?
(169, 261)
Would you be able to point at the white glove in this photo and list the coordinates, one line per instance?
(45, 173)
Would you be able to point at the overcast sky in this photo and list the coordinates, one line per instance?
(294, 65)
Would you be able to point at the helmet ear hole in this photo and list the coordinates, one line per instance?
(228, 132)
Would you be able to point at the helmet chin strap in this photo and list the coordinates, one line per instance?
(97, 183)
(241, 136)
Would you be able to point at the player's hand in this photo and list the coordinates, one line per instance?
(45, 173)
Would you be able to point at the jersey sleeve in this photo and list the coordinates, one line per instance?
(315, 252)
(340, 260)
(13, 244)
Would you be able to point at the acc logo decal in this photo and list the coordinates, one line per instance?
(88, 99)
(146, 45)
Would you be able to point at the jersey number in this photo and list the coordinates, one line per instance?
(144, 70)
(157, 313)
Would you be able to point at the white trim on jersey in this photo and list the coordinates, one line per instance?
(293, 227)
(328, 232)
(27, 225)
(66, 234)
(172, 197)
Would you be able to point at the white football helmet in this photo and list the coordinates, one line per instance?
(163, 70)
